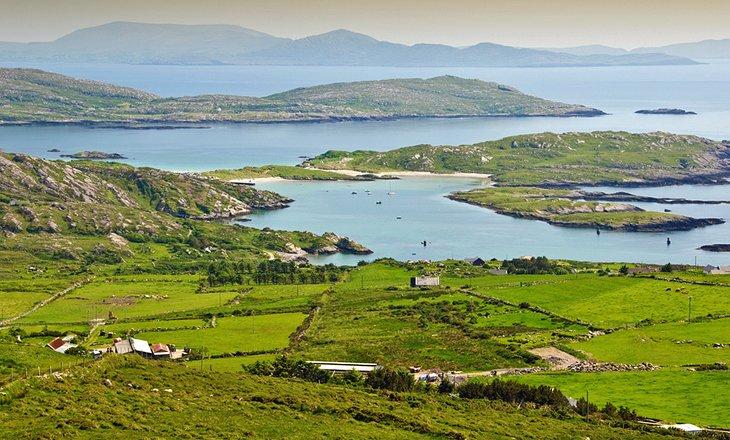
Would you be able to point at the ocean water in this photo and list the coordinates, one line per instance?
(453, 229)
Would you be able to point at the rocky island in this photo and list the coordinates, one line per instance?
(94, 155)
(561, 207)
(665, 111)
(715, 247)
(35, 96)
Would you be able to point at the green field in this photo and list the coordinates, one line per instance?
(234, 334)
(673, 395)
(129, 297)
(608, 302)
(676, 343)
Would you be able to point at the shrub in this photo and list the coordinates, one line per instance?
(388, 379)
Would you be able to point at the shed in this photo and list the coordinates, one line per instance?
(425, 281)
(60, 345)
(161, 350)
(476, 261)
(140, 346)
(122, 347)
(720, 270)
(686, 427)
(498, 271)
(344, 367)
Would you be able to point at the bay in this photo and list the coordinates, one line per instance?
(452, 229)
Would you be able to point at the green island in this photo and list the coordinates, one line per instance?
(36, 96)
(596, 158)
(563, 207)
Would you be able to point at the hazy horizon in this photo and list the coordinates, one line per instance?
(562, 23)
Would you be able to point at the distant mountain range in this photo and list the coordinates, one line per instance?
(707, 49)
(141, 43)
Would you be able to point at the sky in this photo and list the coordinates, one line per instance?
(528, 23)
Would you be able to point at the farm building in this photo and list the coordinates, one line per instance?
(62, 344)
(685, 427)
(476, 261)
(498, 271)
(345, 367)
(140, 347)
(425, 281)
(717, 270)
(122, 346)
(160, 350)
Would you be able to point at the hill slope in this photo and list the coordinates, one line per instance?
(28, 95)
(122, 42)
(132, 398)
(549, 159)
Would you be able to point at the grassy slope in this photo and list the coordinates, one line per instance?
(31, 95)
(215, 404)
(598, 157)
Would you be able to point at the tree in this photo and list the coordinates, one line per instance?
(667, 268)
(624, 270)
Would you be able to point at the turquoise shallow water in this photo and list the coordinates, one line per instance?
(459, 230)
(453, 229)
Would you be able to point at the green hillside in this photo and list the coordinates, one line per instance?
(28, 95)
(549, 158)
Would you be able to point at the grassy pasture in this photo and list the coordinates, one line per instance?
(609, 302)
(676, 343)
(668, 394)
(129, 297)
(232, 334)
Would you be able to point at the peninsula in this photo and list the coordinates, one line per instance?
(35, 96)
(552, 159)
(562, 207)
(665, 111)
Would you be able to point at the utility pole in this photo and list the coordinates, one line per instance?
(689, 310)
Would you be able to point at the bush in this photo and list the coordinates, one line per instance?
(512, 392)
(285, 367)
(388, 379)
(667, 268)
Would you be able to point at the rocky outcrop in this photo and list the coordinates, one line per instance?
(596, 367)
(665, 111)
(332, 243)
(715, 247)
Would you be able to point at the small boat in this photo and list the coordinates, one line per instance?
(667, 210)
(398, 218)
(598, 232)
(378, 202)
(354, 192)
(391, 193)
(669, 241)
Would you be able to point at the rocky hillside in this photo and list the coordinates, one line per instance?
(28, 95)
(556, 159)
(91, 199)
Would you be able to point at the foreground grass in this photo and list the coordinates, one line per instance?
(217, 405)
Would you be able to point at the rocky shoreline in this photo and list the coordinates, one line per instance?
(628, 197)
